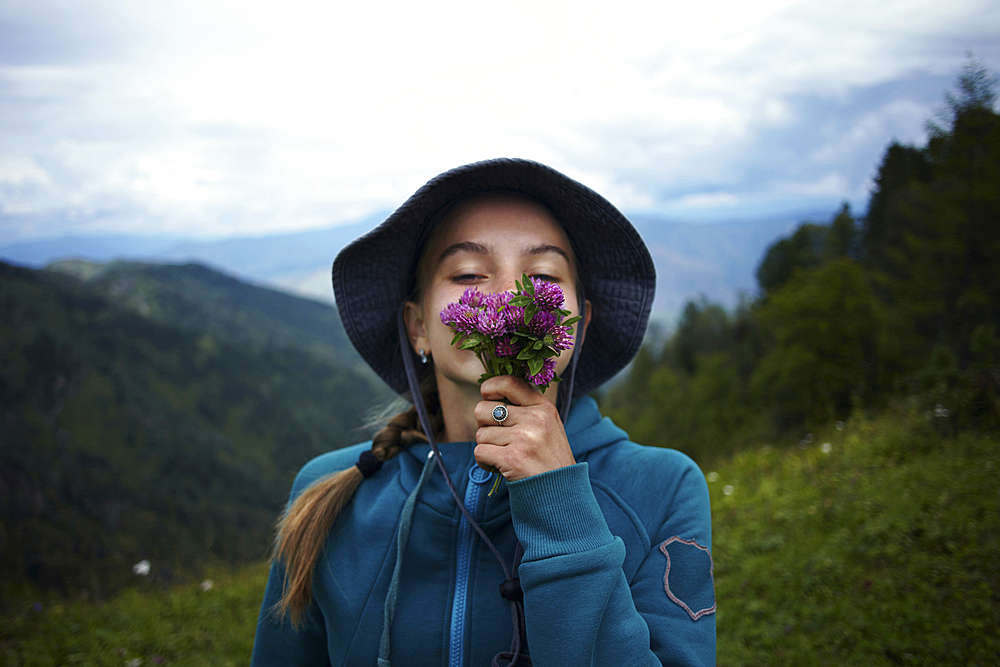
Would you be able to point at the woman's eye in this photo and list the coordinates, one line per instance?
(466, 278)
(544, 276)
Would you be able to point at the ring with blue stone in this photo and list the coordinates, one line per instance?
(500, 414)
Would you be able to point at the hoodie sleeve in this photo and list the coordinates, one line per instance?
(580, 608)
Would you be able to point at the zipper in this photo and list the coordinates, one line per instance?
(466, 536)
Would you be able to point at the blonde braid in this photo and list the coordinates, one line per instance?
(305, 524)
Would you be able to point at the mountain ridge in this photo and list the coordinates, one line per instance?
(716, 260)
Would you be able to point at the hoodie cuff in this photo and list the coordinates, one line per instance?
(556, 513)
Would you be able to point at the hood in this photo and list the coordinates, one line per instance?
(587, 430)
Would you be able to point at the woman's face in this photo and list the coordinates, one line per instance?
(488, 243)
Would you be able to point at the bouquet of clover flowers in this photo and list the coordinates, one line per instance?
(517, 333)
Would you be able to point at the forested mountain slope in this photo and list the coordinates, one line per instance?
(901, 303)
(158, 412)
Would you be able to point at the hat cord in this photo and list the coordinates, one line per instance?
(510, 589)
(517, 607)
(567, 396)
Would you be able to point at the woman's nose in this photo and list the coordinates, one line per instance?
(506, 281)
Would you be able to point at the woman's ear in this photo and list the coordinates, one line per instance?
(416, 330)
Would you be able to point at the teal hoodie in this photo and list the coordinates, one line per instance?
(616, 569)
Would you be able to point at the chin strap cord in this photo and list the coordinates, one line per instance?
(510, 589)
(425, 422)
(567, 396)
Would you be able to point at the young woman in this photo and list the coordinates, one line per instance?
(594, 551)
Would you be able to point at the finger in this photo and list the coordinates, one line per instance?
(492, 457)
(500, 436)
(515, 390)
(486, 457)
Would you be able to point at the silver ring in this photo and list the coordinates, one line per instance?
(500, 414)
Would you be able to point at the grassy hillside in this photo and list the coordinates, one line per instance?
(875, 545)
(186, 626)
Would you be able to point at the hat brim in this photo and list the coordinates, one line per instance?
(374, 275)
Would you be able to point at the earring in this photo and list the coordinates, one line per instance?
(423, 357)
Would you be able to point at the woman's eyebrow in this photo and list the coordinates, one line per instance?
(480, 249)
(464, 246)
(546, 247)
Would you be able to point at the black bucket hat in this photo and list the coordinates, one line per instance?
(376, 273)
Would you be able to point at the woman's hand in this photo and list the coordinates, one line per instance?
(530, 441)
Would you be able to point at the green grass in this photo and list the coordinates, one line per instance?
(183, 626)
(884, 550)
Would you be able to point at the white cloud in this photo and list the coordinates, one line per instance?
(227, 117)
(712, 199)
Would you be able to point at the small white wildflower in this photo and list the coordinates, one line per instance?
(713, 476)
(826, 447)
(206, 585)
(839, 425)
(727, 490)
(134, 662)
(141, 568)
(940, 411)
(808, 438)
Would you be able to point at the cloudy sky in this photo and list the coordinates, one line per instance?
(228, 118)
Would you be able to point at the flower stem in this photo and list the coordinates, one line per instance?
(497, 477)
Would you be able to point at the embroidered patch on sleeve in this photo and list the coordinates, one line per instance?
(689, 579)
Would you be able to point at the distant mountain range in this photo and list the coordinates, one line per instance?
(714, 260)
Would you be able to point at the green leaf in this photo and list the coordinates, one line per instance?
(549, 352)
(521, 301)
(529, 312)
(529, 287)
(571, 321)
(526, 353)
(469, 344)
(535, 365)
(538, 344)
(458, 336)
